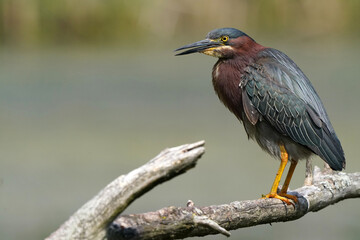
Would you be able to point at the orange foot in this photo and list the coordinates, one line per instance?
(283, 197)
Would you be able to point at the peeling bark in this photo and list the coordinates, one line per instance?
(97, 219)
(91, 220)
(177, 223)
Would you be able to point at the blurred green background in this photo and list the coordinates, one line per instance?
(90, 90)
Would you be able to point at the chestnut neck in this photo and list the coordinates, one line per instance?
(245, 48)
(227, 72)
(244, 51)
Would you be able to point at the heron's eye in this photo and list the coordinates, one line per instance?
(224, 38)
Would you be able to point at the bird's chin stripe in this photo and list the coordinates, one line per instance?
(210, 52)
(216, 51)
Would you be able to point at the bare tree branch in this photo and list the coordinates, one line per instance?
(176, 222)
(91, 220)
(95, 220)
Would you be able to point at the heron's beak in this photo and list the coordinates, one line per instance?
(199, 46)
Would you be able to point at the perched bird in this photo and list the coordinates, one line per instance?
(274, 100)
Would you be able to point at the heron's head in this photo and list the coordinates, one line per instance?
(221, 43)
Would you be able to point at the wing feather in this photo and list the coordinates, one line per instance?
(277, 90)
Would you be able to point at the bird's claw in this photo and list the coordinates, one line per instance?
(286, 198)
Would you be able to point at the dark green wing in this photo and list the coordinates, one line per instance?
(276, 89)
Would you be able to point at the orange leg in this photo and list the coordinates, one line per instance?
(273, 192)
(283, 191)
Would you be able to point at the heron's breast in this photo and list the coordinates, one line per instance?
(226, 80)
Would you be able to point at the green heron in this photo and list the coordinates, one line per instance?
(274, 100)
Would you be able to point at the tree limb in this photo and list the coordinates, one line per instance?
(95, 220)
(91, 220)
(176, 222)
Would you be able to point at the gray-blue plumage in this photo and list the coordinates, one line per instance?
(281, 105)
(230, 32)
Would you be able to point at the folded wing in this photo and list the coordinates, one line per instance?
(276, 89)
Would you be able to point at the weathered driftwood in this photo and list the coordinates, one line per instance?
(176, 222)
(95, 220)
(92, 219)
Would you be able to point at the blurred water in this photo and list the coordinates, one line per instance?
(73, 120)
